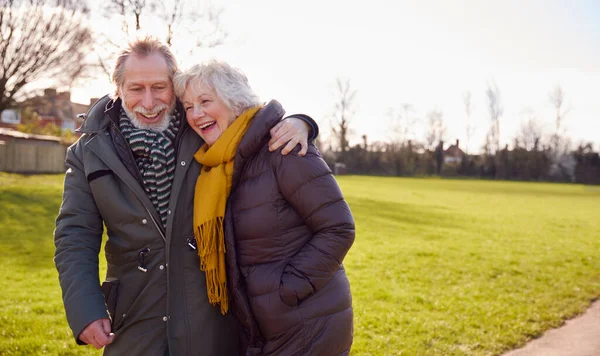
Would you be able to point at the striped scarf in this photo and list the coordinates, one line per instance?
(154, 154)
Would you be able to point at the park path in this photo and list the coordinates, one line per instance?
(577, 337)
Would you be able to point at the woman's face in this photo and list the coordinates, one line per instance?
(206, 113)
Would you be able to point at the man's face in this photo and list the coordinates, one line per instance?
(147, 92)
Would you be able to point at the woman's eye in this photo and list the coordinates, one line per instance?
(187, 108)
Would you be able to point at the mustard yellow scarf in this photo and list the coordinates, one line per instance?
(212, 190)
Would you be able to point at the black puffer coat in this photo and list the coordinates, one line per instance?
(288, 229)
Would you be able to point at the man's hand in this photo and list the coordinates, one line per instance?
(292, 131)
(97, 333)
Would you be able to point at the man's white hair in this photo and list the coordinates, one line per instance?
(143, 47)
(229, 83)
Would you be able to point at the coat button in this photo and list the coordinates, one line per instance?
(165, 318)
(124, 315)
(144, 221)
(168, 212)
(183, 163)
(161, 267)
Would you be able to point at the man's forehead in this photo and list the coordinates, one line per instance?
(149, 68)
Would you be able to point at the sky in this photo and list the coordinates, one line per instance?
(426, 53)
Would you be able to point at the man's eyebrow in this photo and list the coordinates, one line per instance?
(161, 82)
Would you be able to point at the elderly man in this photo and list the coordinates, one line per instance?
(133, 171)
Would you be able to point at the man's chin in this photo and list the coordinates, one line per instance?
(159, 124)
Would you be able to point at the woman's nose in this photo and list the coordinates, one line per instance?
(197, 112)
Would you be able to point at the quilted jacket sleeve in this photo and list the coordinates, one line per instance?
(78, 237)
(309, 186)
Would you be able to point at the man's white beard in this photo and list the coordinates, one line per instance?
(159, 126)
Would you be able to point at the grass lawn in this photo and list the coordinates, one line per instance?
(439, 267)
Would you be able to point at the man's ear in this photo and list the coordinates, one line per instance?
(118, 93)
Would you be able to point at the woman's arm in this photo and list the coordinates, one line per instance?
(309, 186)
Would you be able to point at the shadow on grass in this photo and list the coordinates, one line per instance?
(524, 189)
(27, 224)
(394, 213)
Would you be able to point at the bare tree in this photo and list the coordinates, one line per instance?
(563, 162)
(189, 19)
(436, 129)
(557, 97)
(470, 129)
(171, 15)
(530, 134)
(124, 8)
(399, 148)
(41, 39)
(183, 19)
(496, 110)
(402, 123)
(344, 110)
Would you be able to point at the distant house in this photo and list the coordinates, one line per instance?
(453, 154)
(56, 108)
(10, 118)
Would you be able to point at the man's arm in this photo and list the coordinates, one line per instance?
(78, 237)
(291, 131)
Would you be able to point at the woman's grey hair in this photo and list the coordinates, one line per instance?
(142, 47)
(229, 83)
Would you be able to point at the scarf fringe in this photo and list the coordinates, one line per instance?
(211, 250)
(217, 291)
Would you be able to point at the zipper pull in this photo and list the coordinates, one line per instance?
(141, 259)
(191, 241)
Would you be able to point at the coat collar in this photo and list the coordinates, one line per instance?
(256, 137)
(258, 133)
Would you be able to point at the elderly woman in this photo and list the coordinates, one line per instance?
(271, 230)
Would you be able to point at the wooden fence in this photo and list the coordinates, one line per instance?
(27, 157)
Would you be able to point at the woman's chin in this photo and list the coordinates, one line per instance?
(210, 139)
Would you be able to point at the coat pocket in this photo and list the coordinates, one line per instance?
(272, 315)
(110, 290)
(294, 287)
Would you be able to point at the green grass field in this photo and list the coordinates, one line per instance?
(439, 267)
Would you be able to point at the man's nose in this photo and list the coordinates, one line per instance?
(148, 99)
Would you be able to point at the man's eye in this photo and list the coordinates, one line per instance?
(205, 101)
(135, 89)
(160, 88)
